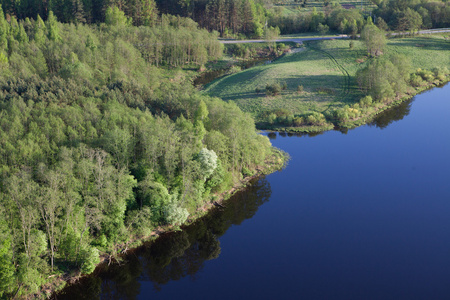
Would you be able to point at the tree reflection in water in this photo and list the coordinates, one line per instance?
(396, 113)
(174, 255)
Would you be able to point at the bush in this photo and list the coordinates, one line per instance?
(316, 119)
(416, 80)
(440, 73)
(341, 114)
(299, 121)
(273, 89)
(272, 118)
(366, 101)
(425, 74)
(300, 89)
(90, 258)
(234, 69)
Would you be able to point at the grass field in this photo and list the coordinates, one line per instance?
(325, 69)
(291, 6)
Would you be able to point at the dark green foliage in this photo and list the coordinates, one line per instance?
(273, 89)
(413, 15)
(227, 17)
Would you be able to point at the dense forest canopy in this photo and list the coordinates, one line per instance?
(103, 138)
(245, 17)
(404, 15)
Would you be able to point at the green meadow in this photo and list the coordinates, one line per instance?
(290, 6)
(325, 69)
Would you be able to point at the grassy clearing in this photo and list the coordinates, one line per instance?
(325, 83)
(290, 6)
(326, 70)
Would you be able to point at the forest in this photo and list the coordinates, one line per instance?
(103, 139)
(388, 15)
(246, 18)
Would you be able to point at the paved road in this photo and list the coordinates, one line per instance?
(301, 40)
(295, 40)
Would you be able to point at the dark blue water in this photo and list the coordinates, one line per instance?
(361, 215)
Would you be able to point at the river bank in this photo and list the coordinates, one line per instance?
(322, 79)
(275, 162)
(367, 115)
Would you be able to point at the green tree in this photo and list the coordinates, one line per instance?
(409, 20)
(208, 162)
(53, 28)
(374, 39)
(322, 29)
(115, 17)
(89, 259)
(7, 269)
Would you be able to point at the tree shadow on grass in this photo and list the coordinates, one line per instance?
(333, 85)
(423, 43)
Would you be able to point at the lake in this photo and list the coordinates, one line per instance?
(358, 215)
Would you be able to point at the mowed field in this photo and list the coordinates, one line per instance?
(325, 69)
(290, 6)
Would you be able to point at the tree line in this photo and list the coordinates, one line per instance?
(141, 12)
(99, 144)
(393, 15)
(246, 17)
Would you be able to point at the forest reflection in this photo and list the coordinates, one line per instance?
(396, 113)
(172, 256)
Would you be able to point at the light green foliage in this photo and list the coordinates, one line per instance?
(31, 274)
(383, 78)
(39, 30)
(202, 111)
(3, 60)
(208, 162)
(374, 39)
(271, 34)
(7, 269)
(52, 28)
(89, 258)
(366, 101)
(176, 215)
(115, 17)
(140, 221)
(323, 29)
(119, 143)
(37, 243)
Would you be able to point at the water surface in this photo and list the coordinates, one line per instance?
(361, 215)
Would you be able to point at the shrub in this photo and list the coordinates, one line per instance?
(300, 89)
(299, 121)
(234, 69)
(316, 119)
(90, 258)
(272, 118)
(273, 89)
(366, 101)
(425, 74)
(341, 114)
(416, 80)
